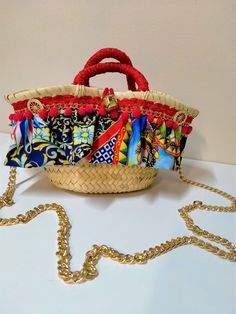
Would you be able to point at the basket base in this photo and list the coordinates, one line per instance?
(85, 177)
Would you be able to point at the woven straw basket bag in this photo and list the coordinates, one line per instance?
(112, 131)
(97, 140)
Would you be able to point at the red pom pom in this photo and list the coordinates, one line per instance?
(18, 117)
(28, 115)
(68, 112)
(184, 130)
(169, 123)
(159, 121)
(189, 129)
(53, 112)
(82, 111)
(114, 114)
(89, 109)
(125, 116)
(11, 116)
(150, 118)
(175, 125)
(111, 91)
(102, 111)
(42, 114)
(136, 113)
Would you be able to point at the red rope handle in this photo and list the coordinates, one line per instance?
(108, 53)
(82, 78)
(114, 53)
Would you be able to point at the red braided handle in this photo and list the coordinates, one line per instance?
(108, 53)
(114, 53)
(82, 78)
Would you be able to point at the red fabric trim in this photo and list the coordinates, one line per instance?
(60, 99)
(63, 101)
(105, 137)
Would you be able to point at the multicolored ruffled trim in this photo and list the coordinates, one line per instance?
(54, 132)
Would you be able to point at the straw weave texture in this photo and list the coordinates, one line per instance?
(85, 177)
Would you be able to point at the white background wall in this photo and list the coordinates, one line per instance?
(184, 47)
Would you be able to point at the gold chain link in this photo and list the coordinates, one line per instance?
(89, 271)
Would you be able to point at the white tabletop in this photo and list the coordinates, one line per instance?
(184, 281)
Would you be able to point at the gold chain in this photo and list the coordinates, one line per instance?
(89, 271)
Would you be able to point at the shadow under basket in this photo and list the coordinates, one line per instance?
(85, 177)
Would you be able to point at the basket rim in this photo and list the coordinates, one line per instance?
(81, 90)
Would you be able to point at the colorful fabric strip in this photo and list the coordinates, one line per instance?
(65, 140)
